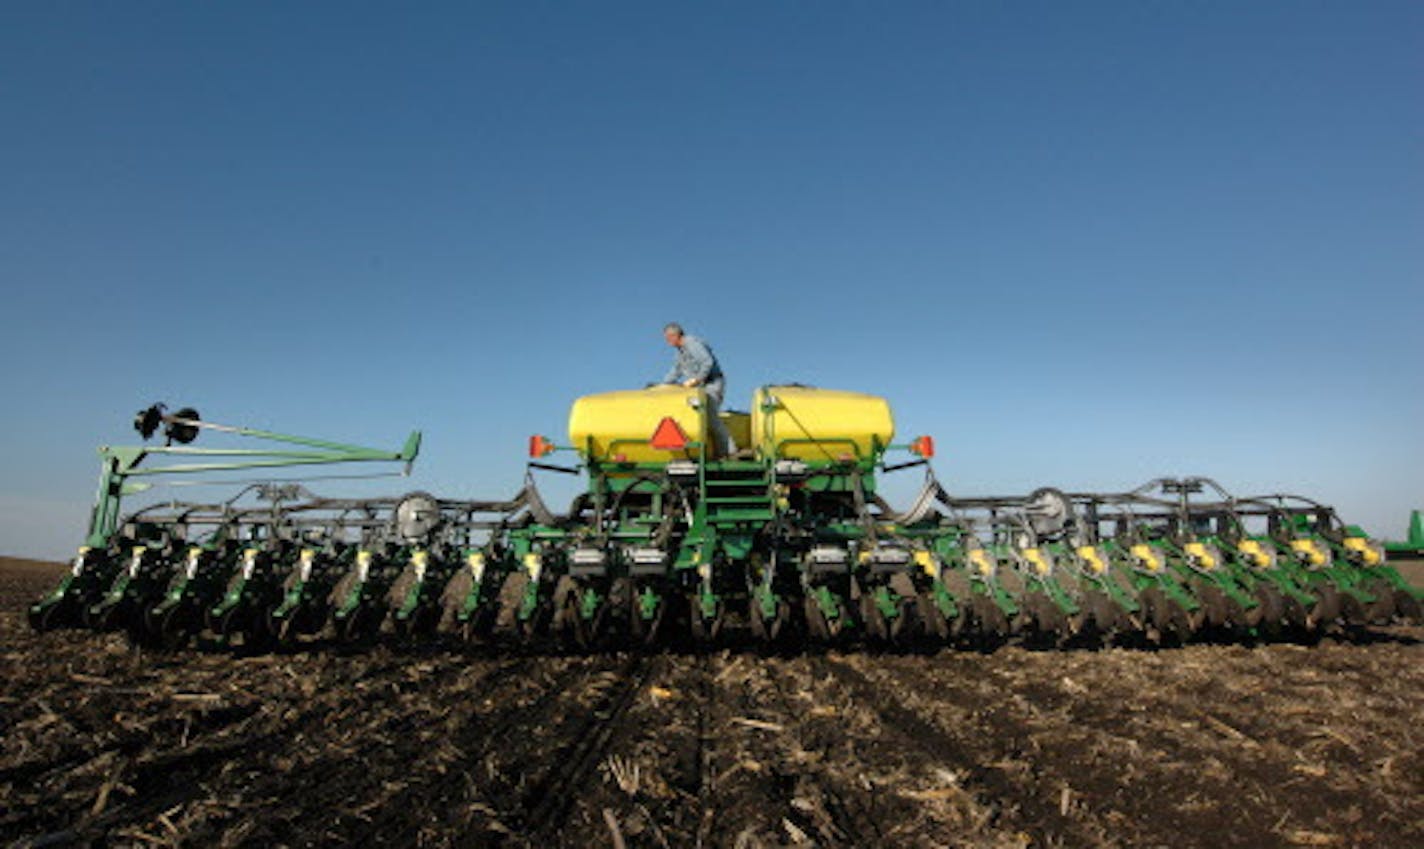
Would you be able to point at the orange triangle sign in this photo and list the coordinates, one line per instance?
(669, 436)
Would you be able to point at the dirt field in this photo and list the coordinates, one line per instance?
(1232, 745)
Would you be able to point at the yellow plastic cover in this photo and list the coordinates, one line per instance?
(806, 423)
(616, 426)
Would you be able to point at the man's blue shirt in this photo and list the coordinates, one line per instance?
(695, 361)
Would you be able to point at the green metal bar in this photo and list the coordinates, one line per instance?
(227, 467)
(290, 601)
(1176, 592)
(412, 600)
(352, 600)
(1288, 585)
(1055, 592)
(766, 599)
(589, 602)
(270, 452)
(707, 601)
(1112, 590)
(530, 602)
(826, 600)
(122, 462)
(412, 444)
(1228, 585)
(472, 601)
(888, 602)
(943, 600)
(991, 589)
(648, 602)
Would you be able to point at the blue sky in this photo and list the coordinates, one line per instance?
(1081, 244)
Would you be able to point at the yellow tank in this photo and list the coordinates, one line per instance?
(616, 426)
(806, 423)
(739, 427)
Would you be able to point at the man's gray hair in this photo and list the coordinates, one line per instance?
(673, 328)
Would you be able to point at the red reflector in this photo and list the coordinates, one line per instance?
(669, 436)
(539, 446)
(923, 446)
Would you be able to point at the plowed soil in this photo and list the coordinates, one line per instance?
(1289, 744)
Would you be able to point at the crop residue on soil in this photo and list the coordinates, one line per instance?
(1208, 745)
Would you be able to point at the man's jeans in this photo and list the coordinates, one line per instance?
(715, 389)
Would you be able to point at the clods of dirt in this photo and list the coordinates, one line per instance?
(1208, 745)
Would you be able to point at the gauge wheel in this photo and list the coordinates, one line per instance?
(877, 627)
(105, 617)
(1216, 608)
(704, 631)
(990, 620)
(1108, 617)
(817, 626)
(569, 624)
(646, 631)
(934, 624)
(511, 597)
(46, 617)
(452, 601)
(1327, 607)
(1048, 620)
(1408, 606)
(1382, 609)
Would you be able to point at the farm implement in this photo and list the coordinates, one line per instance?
(785, 541)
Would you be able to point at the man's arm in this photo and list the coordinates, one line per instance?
(674, 371)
